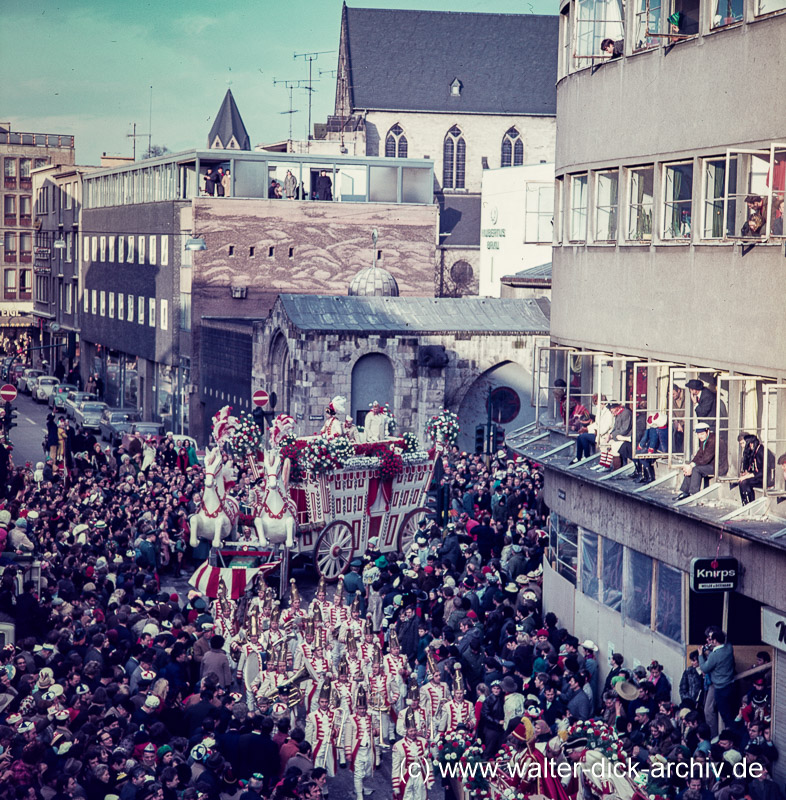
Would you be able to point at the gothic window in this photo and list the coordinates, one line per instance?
(454, 155)
(512, 149)
(396, 143)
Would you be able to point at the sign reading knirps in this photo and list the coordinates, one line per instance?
(773, 627)
(714, 574)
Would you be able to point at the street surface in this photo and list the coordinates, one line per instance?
(28, 434)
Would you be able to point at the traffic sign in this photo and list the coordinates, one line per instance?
(259, 398)
(8, 392)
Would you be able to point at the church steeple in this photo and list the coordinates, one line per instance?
(228, 131)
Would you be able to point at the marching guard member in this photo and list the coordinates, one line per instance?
(305, 647)
(380, 697)
(224, 613)
(359, 745)
(434, 694)
(273, 636)
(353, 626)
(321, 731)
(294, 615)
(339, 614)
(342, 688)
(458, 712)
(411, 771)
(318, 667)
(354, 663)
(419, 714)
(396, 666)
(249, 664)
(369, 644)
(320, 601)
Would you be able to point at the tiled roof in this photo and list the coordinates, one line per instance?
(407, 60)
(229, 123)
(459, 220)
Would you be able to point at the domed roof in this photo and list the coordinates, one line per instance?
(373, 282)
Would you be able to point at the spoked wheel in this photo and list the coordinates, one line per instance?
(333, 550)
(409, 527)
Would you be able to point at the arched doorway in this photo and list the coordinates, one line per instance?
(279, 373)
(372, 379)
(509, 385)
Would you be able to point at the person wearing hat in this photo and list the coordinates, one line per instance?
(703, 462)
(360, 745)
(321, 730)
(458, 713)
(334, 414)
(434, 694)
(660, 682)
(353, 583)
(411, 769)
(704, 400)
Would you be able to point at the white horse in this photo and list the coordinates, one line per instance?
(218, 515)
(273, 509)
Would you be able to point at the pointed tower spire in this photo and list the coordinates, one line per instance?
(228, 131)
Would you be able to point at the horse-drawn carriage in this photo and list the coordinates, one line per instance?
(327, 512)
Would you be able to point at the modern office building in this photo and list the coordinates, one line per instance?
(22, 153)
(667, 268)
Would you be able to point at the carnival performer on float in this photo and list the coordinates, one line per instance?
(334, 415)
(376, 424)
(359, 743)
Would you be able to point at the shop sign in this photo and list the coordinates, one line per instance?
(773, 627)
(714, 574)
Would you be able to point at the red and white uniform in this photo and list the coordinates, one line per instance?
(360, 749)
(431, 694)
(324, 608)
(344, 691)
(356, 673)
(421, 723)
(249, 666)
(455, 714)
(380, 697)
(292, 616)
(332, 428)
(410, 783)
(393, 666)
(317, 669)
(321, 732)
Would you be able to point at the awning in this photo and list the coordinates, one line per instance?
(18, 322)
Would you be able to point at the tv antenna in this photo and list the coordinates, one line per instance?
(134, 136)
(290, 86)
(311, 58)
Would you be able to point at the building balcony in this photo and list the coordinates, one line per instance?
(25, 294)
(25, 220)
(26, 257)
(10, 257)
(9, 183)
(9, 294)
(9, 220)
(25, 183)
(36, 139)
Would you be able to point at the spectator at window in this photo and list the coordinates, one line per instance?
(752, 468)
(777, 216)
(782, 464)
(613, 49)
(754, 226)
(324, 186)
(593, 432)
(620, 433)
(703, 463)
(678, 417)
(558, 393)
(705, 400)
(756, 205)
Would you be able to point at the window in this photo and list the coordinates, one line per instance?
(151, 253)
(727, 12)
(539, 213)
(231, 250)
(102, 248)
(25, 207)
(271, 252)
(9, 244)
(39, 162)
(69, 291)
(454, 153)
(589, 563)
(684, 17)
(94, 248)
(164, 315)
(140, 310)
(637, 603)
(151, 315)
(121, 246)
(130, 308)
(578, 208)
(85, 301)
(252, 251)
(596, 20)
(69, 242)
(185, 311)
(9, 281)
(668, 614)
(25, 281)
(164, 250)
(565, 546)
(24, 167)
(102, 303)
(9, 168)
(512, 149)
(606, 203)
(130, 253)
(396, 143)
(69, 196)
(291, 252)
(111, 305)
(141, 250)
(94, 302)
(121, 306)
(558, 196)
(111, 249)
(612, 553)
(647, 22)
(640, 196)
(714, 196)
(678, 192)
(26, 244)
(9, 206)
(768, 6)
(756, 183)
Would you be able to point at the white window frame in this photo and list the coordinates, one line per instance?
(612, 208)
(102, 248)
(102, 303)
(164, 314)
(121, 306)
(111, 305)
(559, 198)
(573, 178)
(140, 249)
(130, 308)
(706, 200)
(600, 29)
(140, 310)
(543, 209)
(629, 204)
(94, 248)
(121, 245)
(151, 250)
(164, 250)
(130, 254)
(94, 302)
(111, 250)
(68, 298)
(85, 301)
(759, 13)
(664, 186)
(151, 315)
(69, 245)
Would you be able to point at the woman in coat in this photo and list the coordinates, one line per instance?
(752, 470)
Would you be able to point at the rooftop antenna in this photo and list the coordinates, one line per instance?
(134, 136)
(311, 58)
(150, 126)
(290, 85)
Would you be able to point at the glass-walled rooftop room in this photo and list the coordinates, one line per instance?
(289, 177)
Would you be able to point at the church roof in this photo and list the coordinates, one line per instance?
(332, 314)
(373, 282)
(228, 125)
(402, 60)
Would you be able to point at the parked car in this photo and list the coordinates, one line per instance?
(44, 387)
(145, 430)
(117, 421)
(26, 377)
(88, 414)
(72, 401)
(15, 373)
(4, 370)
(58, 396)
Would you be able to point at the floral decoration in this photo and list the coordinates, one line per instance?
(443, 426)
(410, 442)
(392, 424)
(599, 737)
(245, 438)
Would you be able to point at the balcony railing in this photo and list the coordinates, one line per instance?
(25, 183)
(25, 220)
(25, 294)
(36, 139)
(9, 183)
(9, 220)
(9, 294)
(26, 257)
(10, 257)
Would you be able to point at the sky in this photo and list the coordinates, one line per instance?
(86, 68)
